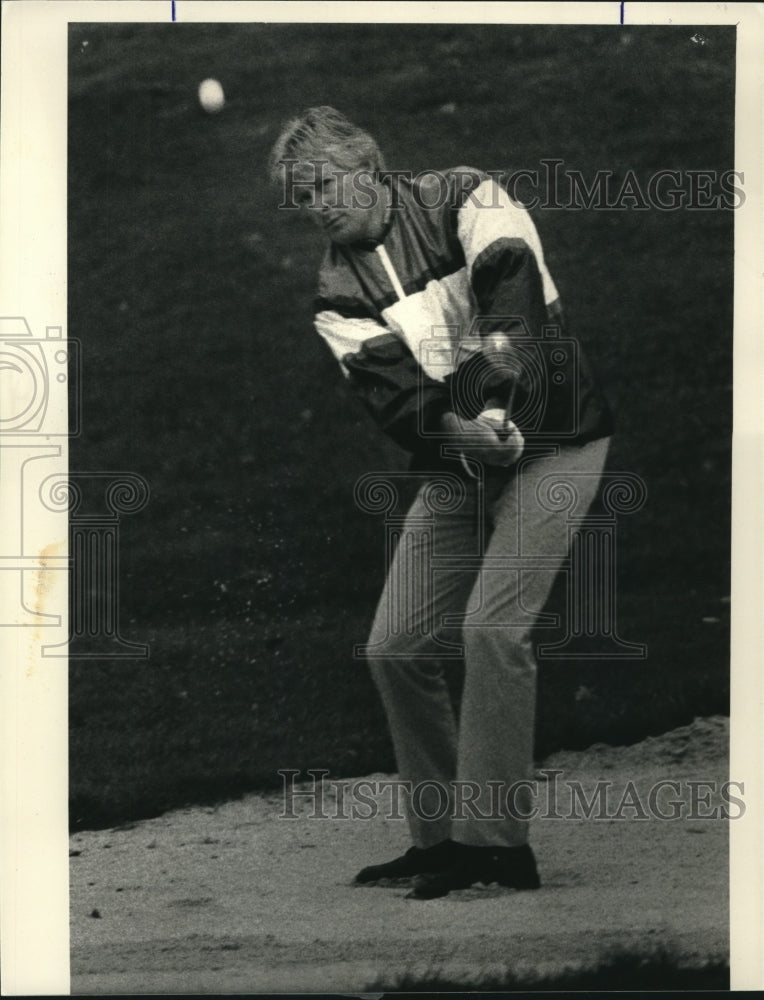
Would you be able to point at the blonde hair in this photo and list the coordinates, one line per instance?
(321, 133)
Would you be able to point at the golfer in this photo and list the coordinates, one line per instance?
(436, 301)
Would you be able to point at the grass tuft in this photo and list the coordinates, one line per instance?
(621, 970)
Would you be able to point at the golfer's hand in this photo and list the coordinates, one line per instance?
(479, 438)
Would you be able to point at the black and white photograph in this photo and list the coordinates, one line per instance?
(390, 566)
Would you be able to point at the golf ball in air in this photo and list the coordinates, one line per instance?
(211, 96)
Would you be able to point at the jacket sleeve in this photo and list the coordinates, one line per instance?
(381, 369)
(503, 253)
(515, 296)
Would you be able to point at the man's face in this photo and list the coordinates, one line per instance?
(346, 204)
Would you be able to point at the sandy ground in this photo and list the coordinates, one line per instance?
(236, 899)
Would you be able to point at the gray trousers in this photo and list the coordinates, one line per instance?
(451, 595)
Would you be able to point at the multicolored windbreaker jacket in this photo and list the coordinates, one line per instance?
(454, 310)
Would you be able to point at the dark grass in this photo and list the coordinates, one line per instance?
(621, 971)
(251, 573)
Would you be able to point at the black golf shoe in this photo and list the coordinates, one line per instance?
(514, 867)
(416, 861)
